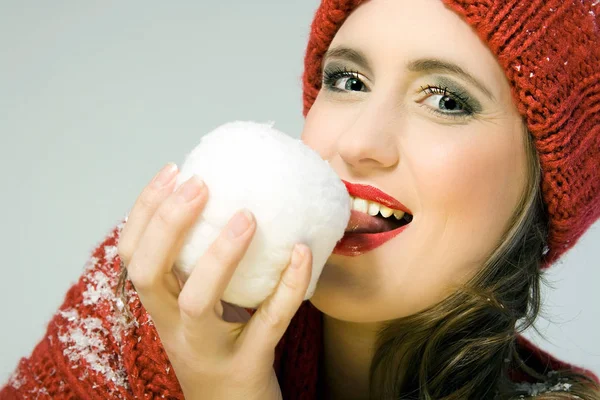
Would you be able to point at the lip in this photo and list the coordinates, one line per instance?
(355, 244)
(369, 192)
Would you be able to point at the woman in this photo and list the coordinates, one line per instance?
(487, 131)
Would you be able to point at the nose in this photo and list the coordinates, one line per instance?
(370, 139)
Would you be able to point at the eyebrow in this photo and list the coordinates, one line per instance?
(421, 65)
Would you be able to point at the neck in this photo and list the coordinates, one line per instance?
(349, 350)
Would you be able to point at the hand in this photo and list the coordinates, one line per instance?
(212, 358)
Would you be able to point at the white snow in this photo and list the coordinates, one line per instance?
(109, 253)
(16, 380)
(534, 389)
(85, 339)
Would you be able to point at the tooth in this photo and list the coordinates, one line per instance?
(386, 211)
(373, 208)
(361, 205)
(399, 214)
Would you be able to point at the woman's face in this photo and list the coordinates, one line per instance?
(457, 162)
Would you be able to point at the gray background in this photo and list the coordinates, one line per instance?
(96, 96)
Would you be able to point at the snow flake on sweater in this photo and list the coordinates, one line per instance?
(87, 339)
(17, 380)
(533, 389)
(84, 339)
(91, 331)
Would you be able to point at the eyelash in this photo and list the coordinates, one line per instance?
(330, 76)
(458, 97)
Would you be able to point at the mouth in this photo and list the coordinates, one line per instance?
(369, 233)
(375, 218)
(361, 222)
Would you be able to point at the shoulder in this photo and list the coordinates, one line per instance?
(546, 364)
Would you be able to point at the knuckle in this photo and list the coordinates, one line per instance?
(166, 215)
(222, 251)
(124, 251)
(270, 318)
(140, 278)
(148, 199)
(191, 307)
(289, 283)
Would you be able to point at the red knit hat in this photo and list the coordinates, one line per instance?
(550, 52)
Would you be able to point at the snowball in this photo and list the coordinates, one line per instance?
(295, 196)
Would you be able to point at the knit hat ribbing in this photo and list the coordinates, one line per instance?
(550, 53)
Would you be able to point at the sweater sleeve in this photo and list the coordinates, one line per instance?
(90, 350)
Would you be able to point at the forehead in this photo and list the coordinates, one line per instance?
(392, 32)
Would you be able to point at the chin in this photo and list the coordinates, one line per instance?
(337, 297)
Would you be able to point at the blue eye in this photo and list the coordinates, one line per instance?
(445, 103)
(342, 80)
(448, 101)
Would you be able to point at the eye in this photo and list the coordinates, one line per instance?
(447, 103)
(342, 80)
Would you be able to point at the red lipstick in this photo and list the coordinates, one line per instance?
(371, 193)
(355, 244)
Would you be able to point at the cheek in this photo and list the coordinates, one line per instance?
(325, 122)
(322, 126)
(469, 183)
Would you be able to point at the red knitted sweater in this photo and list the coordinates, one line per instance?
(90, 352)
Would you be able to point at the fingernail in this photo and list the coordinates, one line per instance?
(240, 223)
(297, 256)
(190, 189)
(165, 175)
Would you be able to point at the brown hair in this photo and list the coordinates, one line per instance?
(463, 347)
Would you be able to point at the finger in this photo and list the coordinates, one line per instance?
(211, 275)
(143, 209)
(150, 269)
(269, 323)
